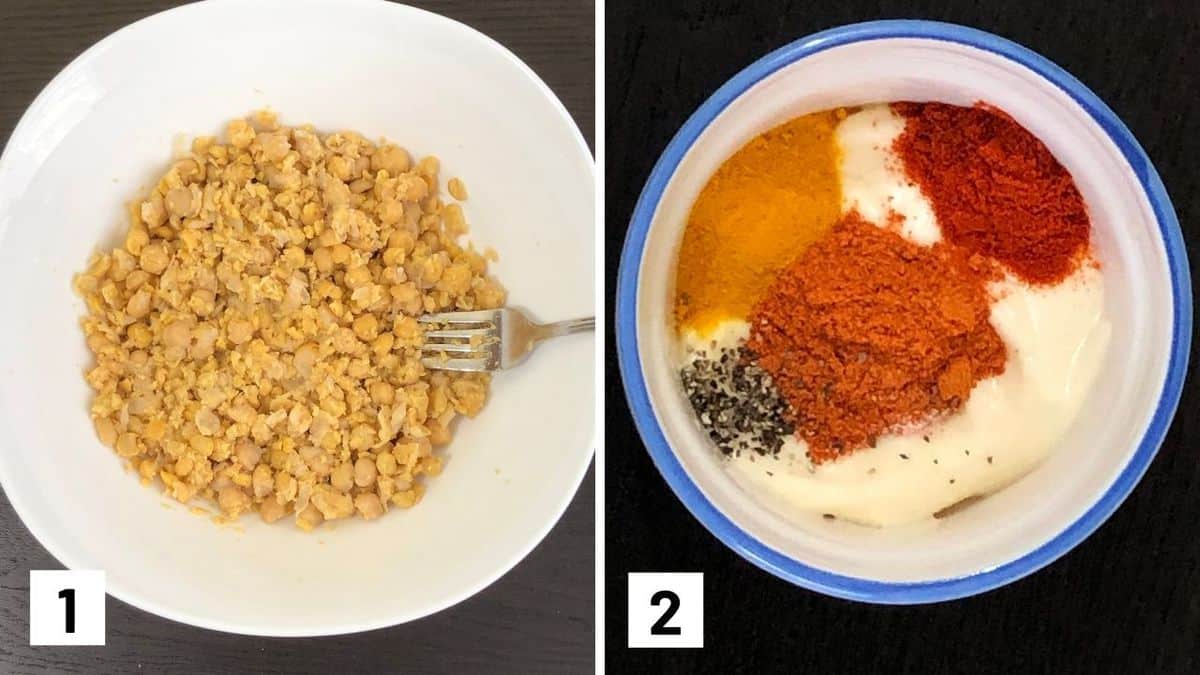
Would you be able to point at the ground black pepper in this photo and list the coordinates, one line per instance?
(736, 402)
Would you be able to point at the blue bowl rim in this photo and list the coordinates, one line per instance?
(868, 590)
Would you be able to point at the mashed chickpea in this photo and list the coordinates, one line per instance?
(255, 336)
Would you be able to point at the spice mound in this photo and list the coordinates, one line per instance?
(889, 309)
(736, 400)
(995, 188)
(867, 332)
(256, 336)
(772, 198)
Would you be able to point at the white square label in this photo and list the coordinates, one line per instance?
(66, 607)
(666, 609)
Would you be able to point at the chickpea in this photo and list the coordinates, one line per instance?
(390, 158)
(364, 472)
(263, 481)
(184, 466)
(342, 477)
(248, 453)
(357, 277)
(153, 212)
(457, 189)
(271, 510)
(366, 327)
(240, 133)
(239, 331)
(179, 202)
(232, 500)
(382, 393)
(177, 334)
(202, 302)
(368, 506)
(136, 240)
(340, 254)
(127, 445)
(385, 463)
(106, 431)
(285, 486)
(323, 259)
(406, 499)
(309, 518)
(429, 166)
(154, 258)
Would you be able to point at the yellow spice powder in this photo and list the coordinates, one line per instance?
(764, 205)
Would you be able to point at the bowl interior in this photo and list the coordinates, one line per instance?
(105, 128)
(1138, 302)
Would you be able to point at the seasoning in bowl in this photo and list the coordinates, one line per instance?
(924, 323)
(256, 336)
(866, 332)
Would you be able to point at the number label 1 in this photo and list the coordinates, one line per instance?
(68, 594)
(66, 607)
(666, 609)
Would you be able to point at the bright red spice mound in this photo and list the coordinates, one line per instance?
(866, 332)
(995, 188)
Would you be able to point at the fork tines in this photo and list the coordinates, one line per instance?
(464, 341)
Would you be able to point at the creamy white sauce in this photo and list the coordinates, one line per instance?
(725, 335)
(1056, 338)
(873, 180)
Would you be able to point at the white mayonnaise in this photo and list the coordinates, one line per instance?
(725, 335)
(873, 180)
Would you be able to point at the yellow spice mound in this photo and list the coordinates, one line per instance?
(769, 201)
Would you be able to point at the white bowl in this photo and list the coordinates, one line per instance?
(1147, 298)
(105, 127)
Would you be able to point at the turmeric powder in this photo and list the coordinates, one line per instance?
(761, 209)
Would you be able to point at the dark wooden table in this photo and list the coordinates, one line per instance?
(1127, 600)
(537, 618)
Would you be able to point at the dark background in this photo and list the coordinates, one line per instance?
(1126, 600)
(537, 618)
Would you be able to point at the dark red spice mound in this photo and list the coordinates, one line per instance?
(866, 332)
(995, 188)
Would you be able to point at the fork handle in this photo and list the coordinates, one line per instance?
(567, 327)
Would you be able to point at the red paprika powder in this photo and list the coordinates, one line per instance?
(866, 332)
(995, 188)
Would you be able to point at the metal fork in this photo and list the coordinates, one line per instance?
(492, 339)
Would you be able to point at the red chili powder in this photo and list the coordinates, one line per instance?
(867, 332)
(995, 188)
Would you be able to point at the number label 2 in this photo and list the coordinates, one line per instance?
(660, 627)
(666, 610)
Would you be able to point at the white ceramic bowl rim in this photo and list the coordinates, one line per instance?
(686, 489)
